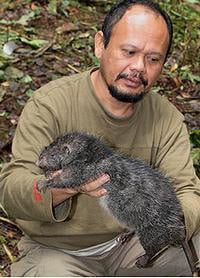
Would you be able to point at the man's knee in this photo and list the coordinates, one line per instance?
(47, 262)
(42, 262)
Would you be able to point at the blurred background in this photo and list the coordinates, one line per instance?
(44, 40)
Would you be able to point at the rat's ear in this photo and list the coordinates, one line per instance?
(67, 155)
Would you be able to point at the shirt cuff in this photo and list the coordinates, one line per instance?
(57, 214)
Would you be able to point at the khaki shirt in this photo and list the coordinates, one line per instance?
(155, 133)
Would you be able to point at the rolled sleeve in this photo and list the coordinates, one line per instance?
(38, 127)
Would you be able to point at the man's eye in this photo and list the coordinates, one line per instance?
(128, 52)
(131, 52)
(153, 59)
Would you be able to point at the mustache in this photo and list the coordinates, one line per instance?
(134, 74)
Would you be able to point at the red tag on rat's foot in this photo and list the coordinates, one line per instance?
(37, 194)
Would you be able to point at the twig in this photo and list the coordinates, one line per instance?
(68, 65)
(73, 68)
(37, 53)
(9, 221)
(8, 253)
(43, 49)
(1, 207)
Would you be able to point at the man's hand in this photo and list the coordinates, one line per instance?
(93, 189)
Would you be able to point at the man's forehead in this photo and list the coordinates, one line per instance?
(140, 14)
(140, 10)
(141, 19)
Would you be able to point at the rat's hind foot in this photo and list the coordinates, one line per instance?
(143, 261)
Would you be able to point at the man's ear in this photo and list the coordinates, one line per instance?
(99, 44)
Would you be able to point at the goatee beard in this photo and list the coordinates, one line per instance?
(125, 96)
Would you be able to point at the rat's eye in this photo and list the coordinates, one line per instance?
(65, 148)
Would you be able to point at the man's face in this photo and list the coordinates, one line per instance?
(134, 56)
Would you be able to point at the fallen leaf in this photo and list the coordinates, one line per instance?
(26, 79)
(36, 43)
(34, 6)
(2, 94)
(185, 94)
(29, 92)
(52, 6)
(13, 73)
(73, 10)
(66, 27)
(25, 18)
(174, 67)
(84, 35)
(2, 76)
(14, 120)
(177, 81)
(5, 84)
(10, 234)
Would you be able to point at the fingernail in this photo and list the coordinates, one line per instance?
(106, 177)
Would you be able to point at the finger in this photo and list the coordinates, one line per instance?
(97, 193)
(56, 173)
(94, 185)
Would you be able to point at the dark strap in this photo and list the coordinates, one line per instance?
(191, 256)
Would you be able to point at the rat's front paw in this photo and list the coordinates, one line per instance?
(45, 184)
(42, 185)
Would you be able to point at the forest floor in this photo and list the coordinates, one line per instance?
(43, 40)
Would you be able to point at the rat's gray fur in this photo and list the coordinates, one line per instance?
(139, 197)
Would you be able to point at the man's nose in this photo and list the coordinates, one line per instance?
(138, 64)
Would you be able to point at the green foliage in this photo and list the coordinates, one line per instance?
(195, 142)
(52, 7)
(29, 92)
(195, 138)
(186, 74)
(35, 43)
(186, 44)
(13, 73)
(23, 20)
(3, 240)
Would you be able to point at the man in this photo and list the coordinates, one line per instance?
(67, 233)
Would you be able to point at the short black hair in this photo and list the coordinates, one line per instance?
(118, 10)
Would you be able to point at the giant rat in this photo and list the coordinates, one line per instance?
(141, 198)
